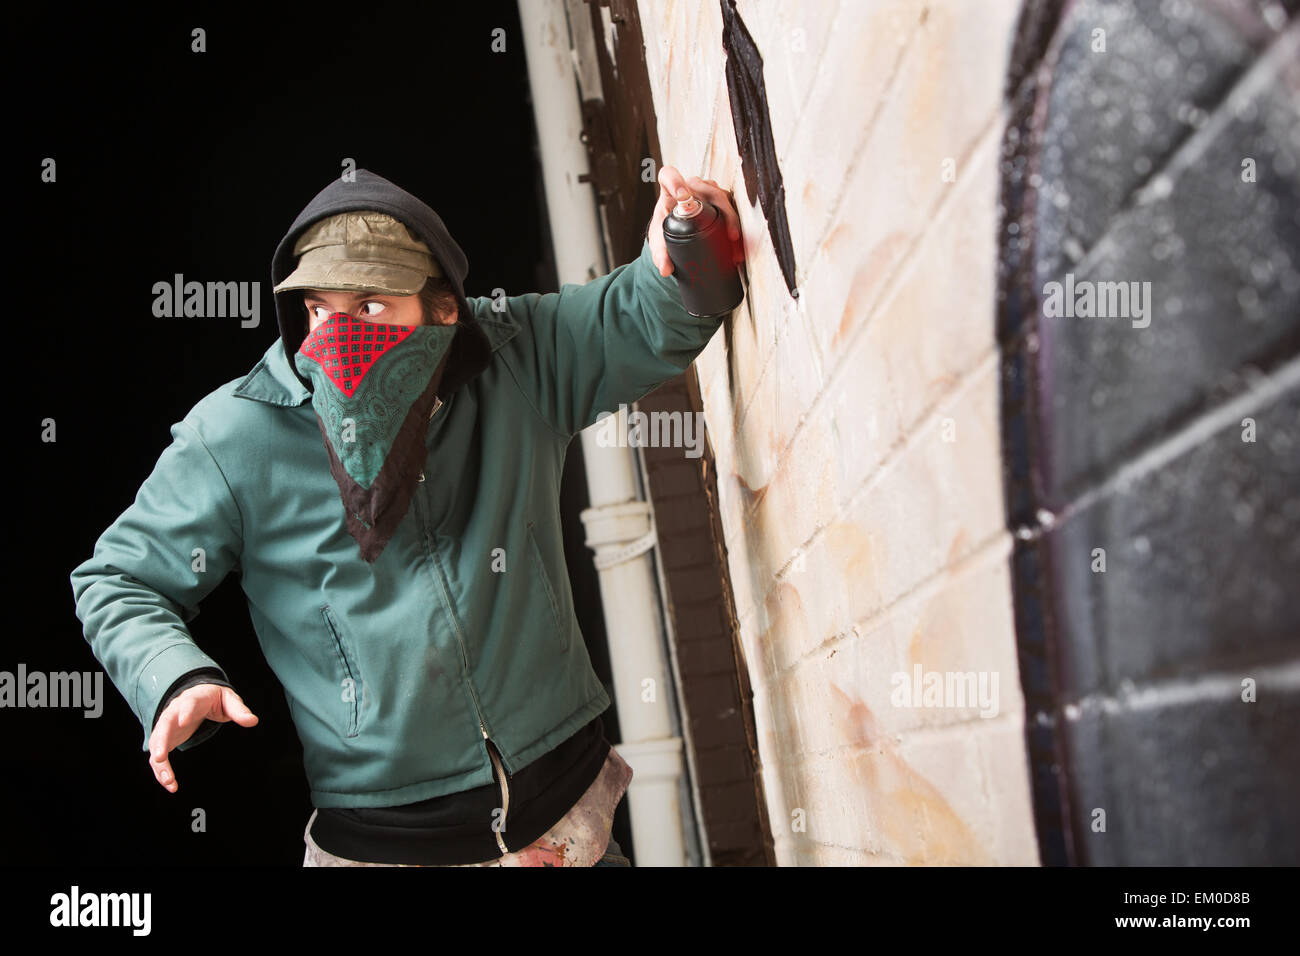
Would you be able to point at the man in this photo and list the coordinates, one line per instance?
(386, 483)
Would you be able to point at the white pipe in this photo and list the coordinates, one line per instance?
(617, 516)
(697, 848)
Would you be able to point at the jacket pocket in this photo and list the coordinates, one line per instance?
(559, 626)
(349, 678)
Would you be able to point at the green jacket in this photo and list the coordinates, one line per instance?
(396, 673)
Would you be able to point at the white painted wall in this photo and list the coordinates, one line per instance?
(858, 451)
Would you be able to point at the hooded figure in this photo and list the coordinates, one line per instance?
(438, 680)
(369, 235)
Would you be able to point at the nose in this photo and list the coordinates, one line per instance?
(333, 317)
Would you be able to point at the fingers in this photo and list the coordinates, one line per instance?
(659, 248)
(670, 180)
(655, 237)
(160, 745)
(183, 716)
(671, 185)
(233, 708)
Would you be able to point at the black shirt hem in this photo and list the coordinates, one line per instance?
(456, 828)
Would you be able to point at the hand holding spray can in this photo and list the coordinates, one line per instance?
(695, 234)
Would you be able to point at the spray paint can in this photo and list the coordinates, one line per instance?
(695, 234)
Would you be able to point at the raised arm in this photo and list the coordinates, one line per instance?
(587, 348)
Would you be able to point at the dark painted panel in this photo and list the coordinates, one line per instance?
(1131, 676)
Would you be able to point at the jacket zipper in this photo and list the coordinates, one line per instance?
(437, 404)
(505, 788)
(493, 752)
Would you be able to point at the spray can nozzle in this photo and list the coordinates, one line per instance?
(687, 208)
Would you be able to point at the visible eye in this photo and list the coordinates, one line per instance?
(379, 307)
(319, 312)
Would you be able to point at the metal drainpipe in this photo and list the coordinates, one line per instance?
(619, 523)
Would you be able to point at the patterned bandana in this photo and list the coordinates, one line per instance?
(373, 391)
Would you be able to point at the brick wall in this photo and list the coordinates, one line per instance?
(856, 428)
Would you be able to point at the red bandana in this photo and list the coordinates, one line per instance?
(347, 348)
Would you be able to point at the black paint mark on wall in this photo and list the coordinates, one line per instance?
(754, 141)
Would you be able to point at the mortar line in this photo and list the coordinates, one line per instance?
(920, 731)
(860, 851)
(1168, 449)
(1254, 79)
(998, 542)
(1174, 691)
(911, 436)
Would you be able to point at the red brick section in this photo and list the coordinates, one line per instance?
(715, 684)
(619, 132)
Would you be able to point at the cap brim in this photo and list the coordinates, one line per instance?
(351, 276)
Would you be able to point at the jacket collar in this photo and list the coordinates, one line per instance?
(272, 380)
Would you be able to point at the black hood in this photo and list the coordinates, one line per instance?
(470, 350)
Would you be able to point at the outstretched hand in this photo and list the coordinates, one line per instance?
(184, 715)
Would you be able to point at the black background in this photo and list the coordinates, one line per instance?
(171, 161)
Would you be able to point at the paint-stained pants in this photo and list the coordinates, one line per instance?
(315, 856)
(574, 841)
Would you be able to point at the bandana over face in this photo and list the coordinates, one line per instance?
(373, 392)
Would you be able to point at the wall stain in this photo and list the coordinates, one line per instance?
(785, 616)
(959, 546)
(851, 551)
(908, 812)
(750, 497)
(870, 273)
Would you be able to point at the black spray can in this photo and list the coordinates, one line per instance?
(696, 236)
